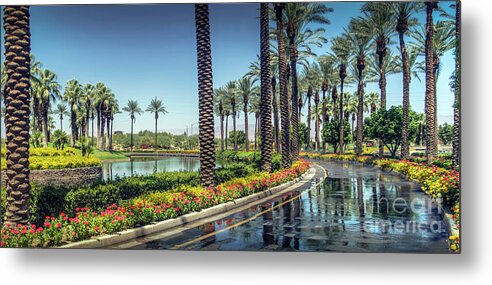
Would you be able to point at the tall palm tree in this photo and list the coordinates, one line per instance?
(88, 98)
(327, 64)
(61, 110)
(157, 107)
(457, 88)
(359, 35)
(254, 108)
(381, 17)
(17, 98)
(205, 93)
(404, 12)
(73, 92)
(132, 109)
(341, 49)
(48, 90)
(35, 71)
(112, 110)
(298, 16)
(430, 124)
(234, 99)
(266, 97)
(102, 97)
(219, 109)
(284, 96)
(443, 40)
(246, 88)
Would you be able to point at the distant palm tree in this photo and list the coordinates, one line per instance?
(156, 107)
(133, 109)
(73, 92)
(246, 88)
(102, 97)
(234, 100)
(88, 98)
(205, 93)
(48, 90)
(61, 110)
(219, 110)
(298, 16)
(381, 17)
(341, 48)
(17, 97)
(284, 96)
(266, 96)
(404, 12)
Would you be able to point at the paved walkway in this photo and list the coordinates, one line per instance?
(356, 209)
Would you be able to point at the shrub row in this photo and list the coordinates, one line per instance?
(148, 208)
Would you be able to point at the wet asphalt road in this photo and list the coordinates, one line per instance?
(355, 209)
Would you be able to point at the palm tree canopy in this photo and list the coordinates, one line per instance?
(157, 107)
(132, 108)
(73, 93)
(47, 88)
(61, 109)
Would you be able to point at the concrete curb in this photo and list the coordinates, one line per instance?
(129, 234)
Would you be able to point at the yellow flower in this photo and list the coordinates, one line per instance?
(453, 247)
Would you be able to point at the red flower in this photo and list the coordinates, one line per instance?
(58, 225)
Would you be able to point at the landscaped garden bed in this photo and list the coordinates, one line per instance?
(85, 222)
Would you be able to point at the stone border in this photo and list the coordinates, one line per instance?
(129, 234)
(64, 177)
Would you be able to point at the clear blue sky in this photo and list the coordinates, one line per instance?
(144, 51)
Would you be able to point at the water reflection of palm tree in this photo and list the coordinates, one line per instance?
(360, 201)
(131, 166)
(287, 220)
(268, 238)
(297, 221)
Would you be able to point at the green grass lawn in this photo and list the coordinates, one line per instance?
(109, 155)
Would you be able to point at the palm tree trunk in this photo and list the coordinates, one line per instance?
(17, 100)
(92, 132)
(246, 127)
(155, 132)
(99, 123)
(131, 135)
(73, 124)
(266, 96)
(284, 96)
(360, 108)
(275, 117)
(257, 117)
(101, 141)
(405, 145)
(340, 127)
(316, 126)
(234, 127)
(61, 122)
(294, 98)
(111, 135)
(222, 132)
(205, 87)
(431, 148)
(44, 116)
(226, 132)
(457, 91)
(108, 132)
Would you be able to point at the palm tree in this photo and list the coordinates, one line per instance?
(246, 88)
(381, 17)
(327, 64)
(73, 92)
(48, 90)
(404, 12)
(359, 36)
(133, 109)
(17, 97)
(457, 89)
(266, 97)
(102, 96)
(205, 93)
(156, 107)
(430, 124)
(341, 49)
(61, 110)
(298, 16)
(234, 100)
(219, 109)
(443, 41)
(88, 98)
(254, 108)
(284, 96)
(113, 109)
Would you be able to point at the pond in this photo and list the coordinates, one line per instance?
(148, 165)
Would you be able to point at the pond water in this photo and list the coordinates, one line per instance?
(148, 165)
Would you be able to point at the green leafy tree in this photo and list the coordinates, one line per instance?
(240, 136)
(446, 133)
(331, 134)
(386, 125)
